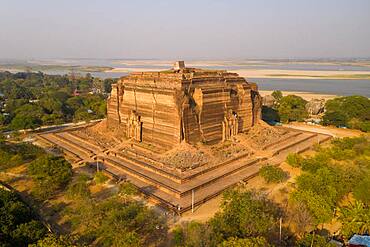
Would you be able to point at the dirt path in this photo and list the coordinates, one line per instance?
(327, 130)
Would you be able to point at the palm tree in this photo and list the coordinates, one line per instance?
(355, 219)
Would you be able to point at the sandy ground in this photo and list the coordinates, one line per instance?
(305, 95)
(328, 130)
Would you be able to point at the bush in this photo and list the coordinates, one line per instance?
(314, 240)
(273, 174)
(269, 114)
(193, 234)
(362, 189)
(245, 242)
(365, 126)
(79, 188)
(12, 154)
(100, 178)
(128, 188)
(294, 159)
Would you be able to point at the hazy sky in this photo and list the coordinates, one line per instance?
(172, 29)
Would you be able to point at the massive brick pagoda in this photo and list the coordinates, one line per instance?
(166, 107)
(159, 110)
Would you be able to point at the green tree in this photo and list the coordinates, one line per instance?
(116, 223)
(277, 94)
(314, 240)
(18, 226)
(2, 119)
(29, 232)
(245, 242)
(128, 189)
(52, 240)
(292, 108)
(273, 174)
(320, 210)
(362, 188)
(350, 111)
(244, 214)
(2, 139)
(193, 234)
(27, 117)
(355, 219)
(100, 178)
(50, 174)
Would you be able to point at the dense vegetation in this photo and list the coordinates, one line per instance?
(117, 222)
(351, 111)
(285, 109)
(18, 223)
(246, 217)
(292, 108)
(330, 179)
(14, 154)
(49, 173)
(29, 100)
(334, 185)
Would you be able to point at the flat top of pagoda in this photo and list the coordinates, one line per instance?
(187, 73)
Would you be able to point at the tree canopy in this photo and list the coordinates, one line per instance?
(50, 173)
(292, 108)
(328, 177)
(18, 224)
(350, 111)
(114, 222)
(35, 99)
(244, 214)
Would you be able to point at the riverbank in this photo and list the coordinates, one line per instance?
(305, 95)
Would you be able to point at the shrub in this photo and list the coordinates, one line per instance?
(242, 242)
(193, 234)
(100, 178)
(79, 188)
(365, 126)
(361, 190)
(12, 154)
(314, 240)
(128, 188)
(273, 174)
(294, 159)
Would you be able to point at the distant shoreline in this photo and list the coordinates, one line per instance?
(305, 95)
(276, 73)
